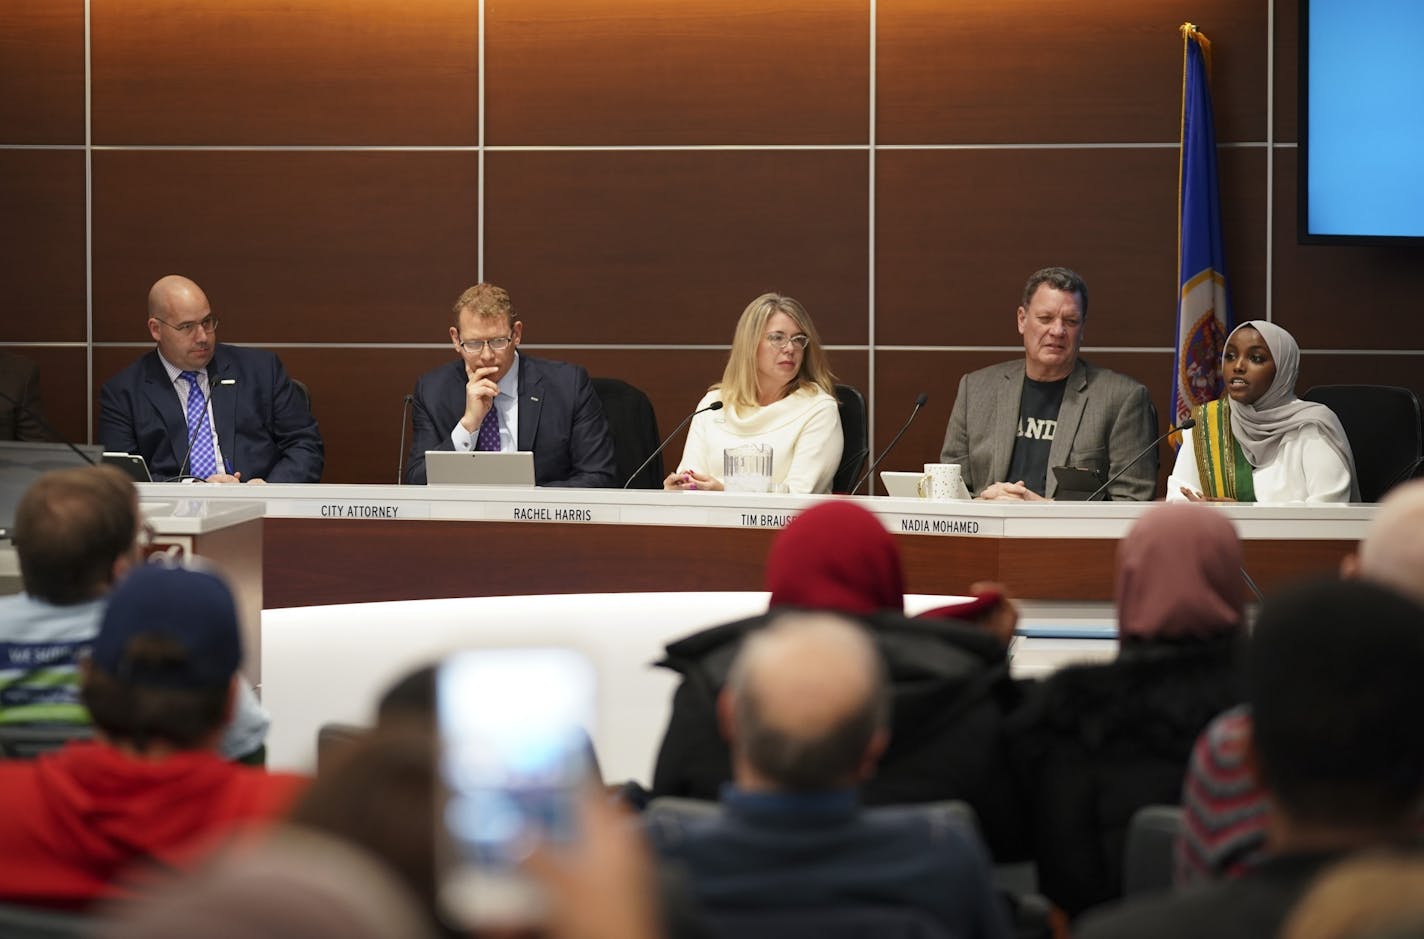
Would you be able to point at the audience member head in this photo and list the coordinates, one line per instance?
(410, 702)
(1179, 575)
(1332, 676)
(378, 794)
(1372, 896)
(806, 706)
(76, 532)
(411, 698)
(181, 321)
(759, 366)
(297, 883)
(836, 556)
(161, 671)
(1393, 550)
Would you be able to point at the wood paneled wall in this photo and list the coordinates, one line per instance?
(639, 171)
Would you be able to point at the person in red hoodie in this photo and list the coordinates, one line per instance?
(151, 791)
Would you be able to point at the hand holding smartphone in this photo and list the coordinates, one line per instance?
(515, 761)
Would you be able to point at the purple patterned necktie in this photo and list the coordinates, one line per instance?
(202, 461)
(488, 439)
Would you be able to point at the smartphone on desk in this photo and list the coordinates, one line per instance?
(514, 766)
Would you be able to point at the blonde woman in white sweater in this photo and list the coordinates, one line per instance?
(776, 390)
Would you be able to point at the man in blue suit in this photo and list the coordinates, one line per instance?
(493, 398)
(195, 408)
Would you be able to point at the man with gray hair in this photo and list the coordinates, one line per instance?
(1013, 422)
(806, 711)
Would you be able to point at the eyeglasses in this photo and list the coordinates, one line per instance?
(476, 346)
(208, 324)
(781, 340)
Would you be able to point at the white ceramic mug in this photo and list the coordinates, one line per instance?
(943, 481)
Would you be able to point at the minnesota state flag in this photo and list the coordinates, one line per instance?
(1204, 315)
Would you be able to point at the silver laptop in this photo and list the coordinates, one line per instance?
(478, 468)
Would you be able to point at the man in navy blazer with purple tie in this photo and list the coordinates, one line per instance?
(495, 398)
(196, 408)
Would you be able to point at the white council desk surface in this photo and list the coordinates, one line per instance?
(966, 519)
(332, 663)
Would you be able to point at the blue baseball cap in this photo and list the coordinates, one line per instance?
(193, 608)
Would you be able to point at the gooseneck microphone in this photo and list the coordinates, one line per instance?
(1187, 424)
(405, 418)
(920, 400)
(1260, 597)
(55, 435)
(181, 476)
(714, 406)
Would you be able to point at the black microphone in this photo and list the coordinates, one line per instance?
(1261, 597)
(40, 419)
(1187, 424)
(714, 406)
(920, 400)
(405, 418)
(182, 477)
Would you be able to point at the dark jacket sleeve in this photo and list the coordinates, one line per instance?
(591, 459)
(116, 418)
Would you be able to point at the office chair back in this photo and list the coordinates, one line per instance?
(1385, 430)
(855, 427)
(302, 390)
(1150, 851)
(634, 427)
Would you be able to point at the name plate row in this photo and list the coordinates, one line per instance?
(566, 514)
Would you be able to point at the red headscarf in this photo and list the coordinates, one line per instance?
(836, 556)
(1179, 575)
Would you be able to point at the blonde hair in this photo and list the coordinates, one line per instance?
(739, 379)
(485, 301)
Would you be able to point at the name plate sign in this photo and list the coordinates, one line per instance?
(345, 508)
(558, 513)
(936, 525)
(776, 519)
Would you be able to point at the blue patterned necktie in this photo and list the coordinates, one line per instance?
(488, 439)
(202, 461)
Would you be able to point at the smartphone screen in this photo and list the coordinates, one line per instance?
(515, 758)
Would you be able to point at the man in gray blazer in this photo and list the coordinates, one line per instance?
(1012, 423)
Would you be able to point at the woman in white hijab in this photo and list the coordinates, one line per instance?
(1259, 442)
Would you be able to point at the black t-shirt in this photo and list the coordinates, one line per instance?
(1038, 420)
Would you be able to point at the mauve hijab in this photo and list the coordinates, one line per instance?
(1179, 575)
(1260, 427)
(836, 556)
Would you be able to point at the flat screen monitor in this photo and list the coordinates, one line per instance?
(1361, 122)
(22, 463)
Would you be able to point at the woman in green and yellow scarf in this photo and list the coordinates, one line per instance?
(1258, 442)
